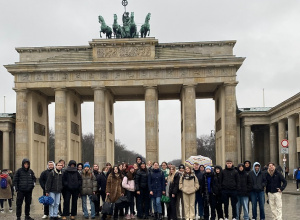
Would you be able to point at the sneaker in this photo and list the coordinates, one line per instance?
(58, 216)
(64, 217)
(297, 190)
(221, 219)
(28, 218)
(127, 216)
(45, 216)
(132, 216)
(2, 210)
(10, 210)
(72, 217)
(234, 219)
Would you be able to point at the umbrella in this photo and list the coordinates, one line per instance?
(46, 200)
(206, 161)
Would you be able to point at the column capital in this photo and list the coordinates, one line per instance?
(98, 88)
(60, 89)
(150, 87)
(189, 85)
(231, 83)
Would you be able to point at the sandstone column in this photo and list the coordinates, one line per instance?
(61, 147)
(273, 148)
(6, 155)
(281, 136)
(230, 123)
(189, 121)
(292, 162)
(22, 150)
(248, 145)
(100, 127)
(266, 145)
(151, 122)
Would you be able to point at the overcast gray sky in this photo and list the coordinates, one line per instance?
(267, 34)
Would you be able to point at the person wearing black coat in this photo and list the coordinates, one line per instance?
(229, 183)
(24, 182)
(207, 187)
(142, 191)
(244, 189)
(199, 206)
(97, 203)
(218, 191)
(43, 180)
(72, 183)
(173, 183)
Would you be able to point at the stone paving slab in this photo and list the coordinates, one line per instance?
(291, 206)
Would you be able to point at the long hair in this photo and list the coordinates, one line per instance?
(113, 171)
(171, 176)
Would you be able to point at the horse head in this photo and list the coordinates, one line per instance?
(148, 17)
(101, 20)
(115, 18)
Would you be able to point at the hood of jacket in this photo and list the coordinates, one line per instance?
(48, 164)
(72, 162)
(71, 169)
(247, 168)
(25, 160)
(256, 163)
(238, 168)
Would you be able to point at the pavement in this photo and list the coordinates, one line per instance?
(290, 201)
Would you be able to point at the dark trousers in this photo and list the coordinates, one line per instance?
(2, 201)
(97, 204)
(20, 197)
(130, 203)
(46, 207)
(143, 202)
(67, 196)
(210, 202)
(232, 194)
(199, 204)
(219, 206)
(172, 213)
(297, 183)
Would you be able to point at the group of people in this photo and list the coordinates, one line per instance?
(185, 191)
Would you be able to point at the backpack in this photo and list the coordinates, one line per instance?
(3, 183)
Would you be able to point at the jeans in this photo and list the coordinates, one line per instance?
(260, 197)
(199, 201)
(53, 209)
(157, 204)
(20, 197)
(84, 206)
(242, 201)
(232, 194)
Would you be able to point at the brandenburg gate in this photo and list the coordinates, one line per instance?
(110, 70)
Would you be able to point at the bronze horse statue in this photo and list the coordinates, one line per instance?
(133, 29)
(146, 26)
(117, 29)
(104, 28)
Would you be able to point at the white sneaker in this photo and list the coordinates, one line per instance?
(297, 190)
(2, 210)
(45, 216)
(10, 210)
(226, 218)
(221, 219)
(58, 216)
(234, 219)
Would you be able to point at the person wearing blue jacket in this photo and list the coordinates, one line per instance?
(157, 187)
(297, 177)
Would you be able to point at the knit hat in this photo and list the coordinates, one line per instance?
(208, 167)
(130, 167)
(181, 166)
(86, 165)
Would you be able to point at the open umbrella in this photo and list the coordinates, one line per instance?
(206, 161)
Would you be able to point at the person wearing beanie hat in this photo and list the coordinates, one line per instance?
(209, 193)
(89, 187)
(43, 180)
(72, 183)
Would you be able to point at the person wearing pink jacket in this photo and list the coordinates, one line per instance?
(129, 185)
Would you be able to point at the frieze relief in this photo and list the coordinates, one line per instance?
(169, 73)
(121, 52)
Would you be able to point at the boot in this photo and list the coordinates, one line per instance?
(28, 218)
(155, 216)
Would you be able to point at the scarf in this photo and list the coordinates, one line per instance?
(271, 172)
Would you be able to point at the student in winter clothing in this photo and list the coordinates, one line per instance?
(199, 199)
(80, 167)
(172, 191)
(297, 177)
(5, 190)
(96, 173)
(189, 184)
(276, 183)
(128, 184)
(138, 161)
(53, 188)
(209, 195)
(218, 191)
(101, 180)
(89, 187)
(24, 182)
(259, 182)
(179, 200)
(247, 165)
(157, 187)
(114, 189)
(72, 183)
(244, 189)
(43, 180)
(142, 191)
(229, 183)
(166, 171)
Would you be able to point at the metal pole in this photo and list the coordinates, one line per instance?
(4, 104)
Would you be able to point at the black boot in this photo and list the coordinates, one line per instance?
(28, 218)
(155, 216)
